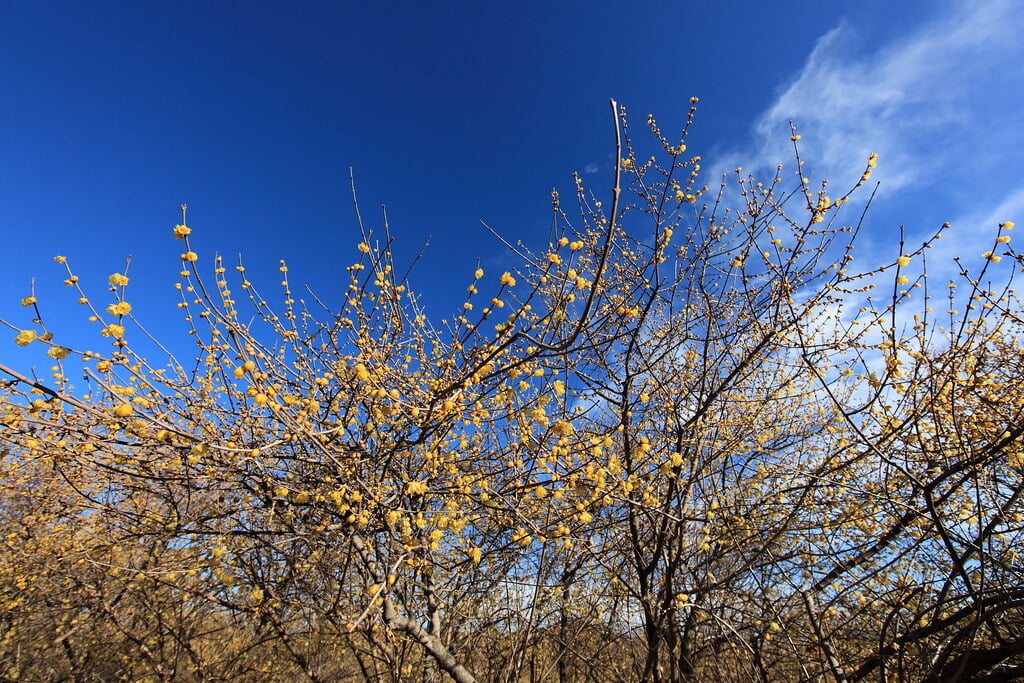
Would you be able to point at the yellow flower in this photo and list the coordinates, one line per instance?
(58, 352)
(475, 554)
(363, 247)
(1003, 239)
(415, 488)
(60, 259)
(123, 409)
(25, 337)
(190, 256)
(180, 231)
(112, 330)
(902, 279)
(903, 261)
(120, 308)
(28, 301)
(118, 280)
(627, 163)
(479, 273)
(507, 279)
(1008, 225)
(196, 452)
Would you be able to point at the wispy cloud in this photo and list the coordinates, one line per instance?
(941, 105)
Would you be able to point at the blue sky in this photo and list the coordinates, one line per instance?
(114, 113)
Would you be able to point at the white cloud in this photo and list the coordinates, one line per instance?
(942, 107)
(916, 101)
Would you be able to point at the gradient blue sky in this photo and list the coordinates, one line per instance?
(114, 113)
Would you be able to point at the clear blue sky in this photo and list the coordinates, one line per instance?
(114, 113)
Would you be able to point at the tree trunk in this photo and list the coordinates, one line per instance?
(431, 643)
